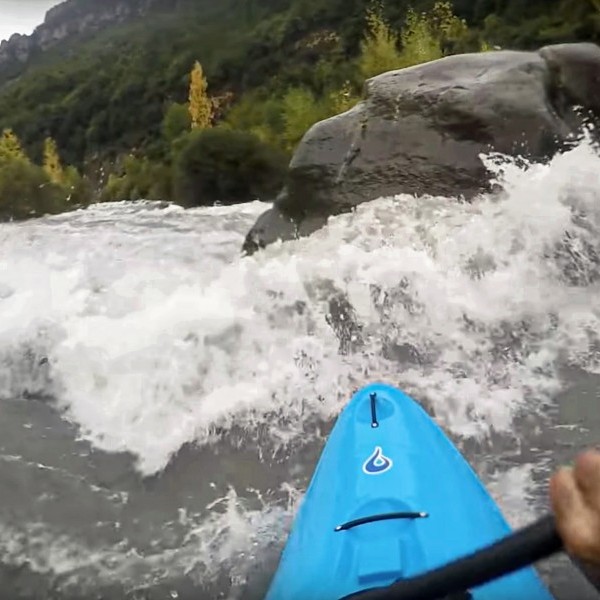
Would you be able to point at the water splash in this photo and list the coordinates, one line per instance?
(162, 335)
(143, 325)
(231, 539)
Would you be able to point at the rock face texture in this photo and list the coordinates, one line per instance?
(66, 21)
(424, 129)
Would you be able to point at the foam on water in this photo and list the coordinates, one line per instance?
(156, 331)
(232, 537)
(144, 325)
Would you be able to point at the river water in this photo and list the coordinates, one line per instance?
(163, 400)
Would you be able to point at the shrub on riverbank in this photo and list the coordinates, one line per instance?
(28, 190)
(226, 166)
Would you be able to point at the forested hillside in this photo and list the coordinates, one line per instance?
(271, 67)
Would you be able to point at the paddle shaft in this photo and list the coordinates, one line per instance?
(518, 550)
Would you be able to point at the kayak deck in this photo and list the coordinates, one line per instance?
(390, 498)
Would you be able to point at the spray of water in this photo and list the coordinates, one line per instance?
(144, 326)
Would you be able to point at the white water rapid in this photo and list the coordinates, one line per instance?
(143, 327)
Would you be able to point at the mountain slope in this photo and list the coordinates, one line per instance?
(73, 20)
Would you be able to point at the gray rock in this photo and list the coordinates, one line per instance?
(269, 227)
(423, 130)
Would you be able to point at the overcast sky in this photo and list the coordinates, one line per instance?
(22, 16)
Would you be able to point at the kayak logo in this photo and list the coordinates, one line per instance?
(377, 463)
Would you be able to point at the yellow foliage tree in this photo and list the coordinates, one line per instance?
(200, 105)
(10, 147)
(379, 48)
(52, 165)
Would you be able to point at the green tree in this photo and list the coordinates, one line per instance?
(76, 189)
(26, 191)
(140, 179)
(200, 106)
(226, 166)
(431, 35)
(177, 121)
(301, 110)
(420, 43)
(425, 36)
(343, 99)
(379, 48)
(260, 113)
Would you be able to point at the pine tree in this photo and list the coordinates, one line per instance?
(10, 147)
(200, 105)
(52, 165)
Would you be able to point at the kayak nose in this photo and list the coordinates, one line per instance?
(374, 408)
(387, 465)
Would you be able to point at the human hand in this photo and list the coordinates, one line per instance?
(575, 498)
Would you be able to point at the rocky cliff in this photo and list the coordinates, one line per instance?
(63, 23)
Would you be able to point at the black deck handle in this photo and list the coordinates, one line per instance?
(516, 551)
(381, 517)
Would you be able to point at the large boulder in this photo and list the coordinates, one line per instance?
(424, 129)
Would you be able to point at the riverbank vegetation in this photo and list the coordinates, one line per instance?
(198, 120)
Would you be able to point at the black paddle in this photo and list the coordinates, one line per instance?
(515, 551)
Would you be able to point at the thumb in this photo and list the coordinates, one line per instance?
(564, 494)
(574, 521)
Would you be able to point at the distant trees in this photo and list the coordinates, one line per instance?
(210, 151)
(108, 96)
(269, 71)
(202, 164)
(10, 147)
(424, 37)
(28, 190)
(177, 121)
(300, 110)
(226, 166)
(51, 164)
(140, 178)
(217, 164)
(379, 47)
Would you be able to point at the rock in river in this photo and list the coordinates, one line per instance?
(424, 129)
